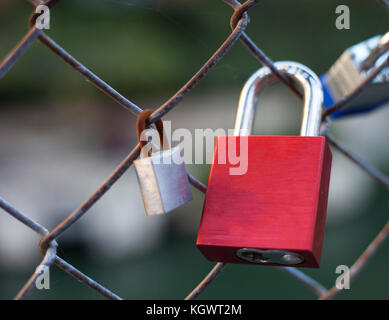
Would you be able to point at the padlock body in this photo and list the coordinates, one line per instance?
(163, 181)
(346, 74)
(278, 204)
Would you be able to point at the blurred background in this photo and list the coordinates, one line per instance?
(60, 138)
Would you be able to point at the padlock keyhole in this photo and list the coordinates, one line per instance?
(269, 256)
(255, 257)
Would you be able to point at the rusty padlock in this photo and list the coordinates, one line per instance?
(161, 175)
(274, 214)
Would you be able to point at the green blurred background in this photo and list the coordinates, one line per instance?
(61, 137)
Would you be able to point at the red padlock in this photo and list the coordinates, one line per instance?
(274, 214)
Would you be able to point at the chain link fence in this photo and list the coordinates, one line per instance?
(238, 22)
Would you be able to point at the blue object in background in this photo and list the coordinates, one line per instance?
(329, 101)
(353, 67)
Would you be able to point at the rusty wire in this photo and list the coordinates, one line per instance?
(362, 260)
(238, 22)
(161, 111)
(48, 260)
(68, 268)
(371, 171)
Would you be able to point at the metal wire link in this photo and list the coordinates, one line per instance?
(239, 21)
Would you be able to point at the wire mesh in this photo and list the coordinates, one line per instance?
(239, 21)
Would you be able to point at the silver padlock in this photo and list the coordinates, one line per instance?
(351, 69)
(161, 175)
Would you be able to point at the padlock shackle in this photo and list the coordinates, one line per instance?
(302, 76)
(143, 122)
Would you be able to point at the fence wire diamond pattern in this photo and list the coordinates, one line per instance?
(238, 22)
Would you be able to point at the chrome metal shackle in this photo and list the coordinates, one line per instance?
(300, 75)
